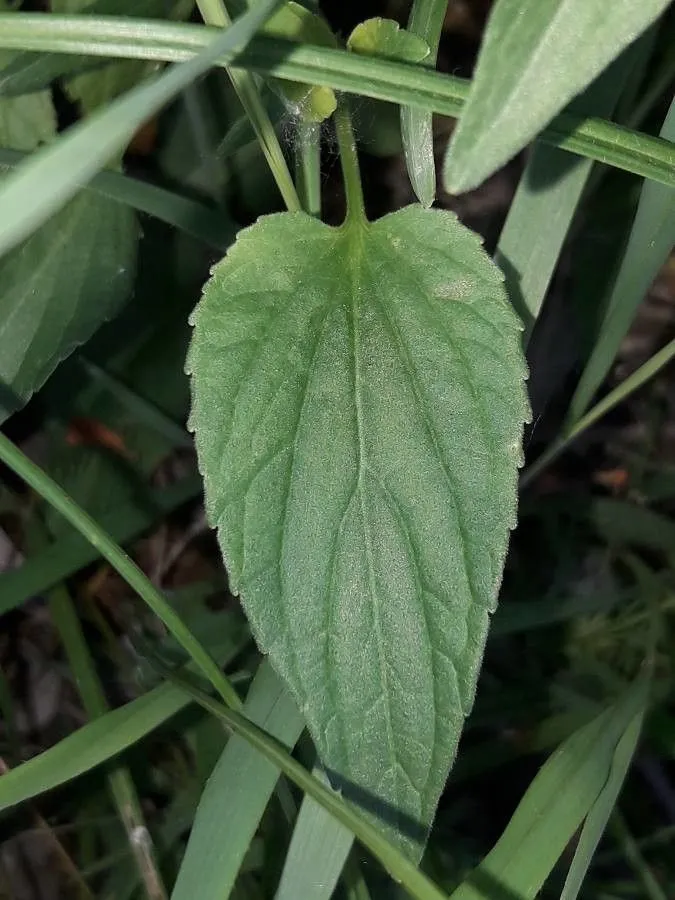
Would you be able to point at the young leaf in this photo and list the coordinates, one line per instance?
(380, 129)
(426, 20)
(385, 38)
(241, 783)
(536, 56)
(358, 403)
(311, 102)
(651, 241)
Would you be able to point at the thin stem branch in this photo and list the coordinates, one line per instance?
(214, 12)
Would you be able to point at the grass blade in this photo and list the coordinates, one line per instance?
(597, 819)
(317, 854)
(395, 863)
(554, 806)
(44, 183)
(651, 240)
(90, 746)
(241, 783)
(380, 79)
(214, 12)
(545, 202)
(426, 20)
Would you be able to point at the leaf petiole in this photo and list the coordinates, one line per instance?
(356, 210)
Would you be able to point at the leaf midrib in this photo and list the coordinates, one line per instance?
(354, 252)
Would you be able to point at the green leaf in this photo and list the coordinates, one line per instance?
(401, 869)
(241, 783)
(548, 194)
(385, 38)
(557, 802)
(58, 287)
(93, 744)
(358, 403)
(536, 56)
(67, 278)
(651, 241)
(426, 20)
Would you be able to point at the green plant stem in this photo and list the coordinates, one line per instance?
(349, 160)
(380, 79)
(401, 869)
(308, 167)
(631, 384)
(19, 463)
(214, 12)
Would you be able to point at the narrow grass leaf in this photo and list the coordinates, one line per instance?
(90, 746)
(317, 853)
(651, 241)
(380, 79)
(43, 184)
(236, 795)
(426, 20)
(602, 808)
(553, 808)
(559, 44)
(547, 197)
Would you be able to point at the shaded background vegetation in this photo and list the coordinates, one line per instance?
(593, 554)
